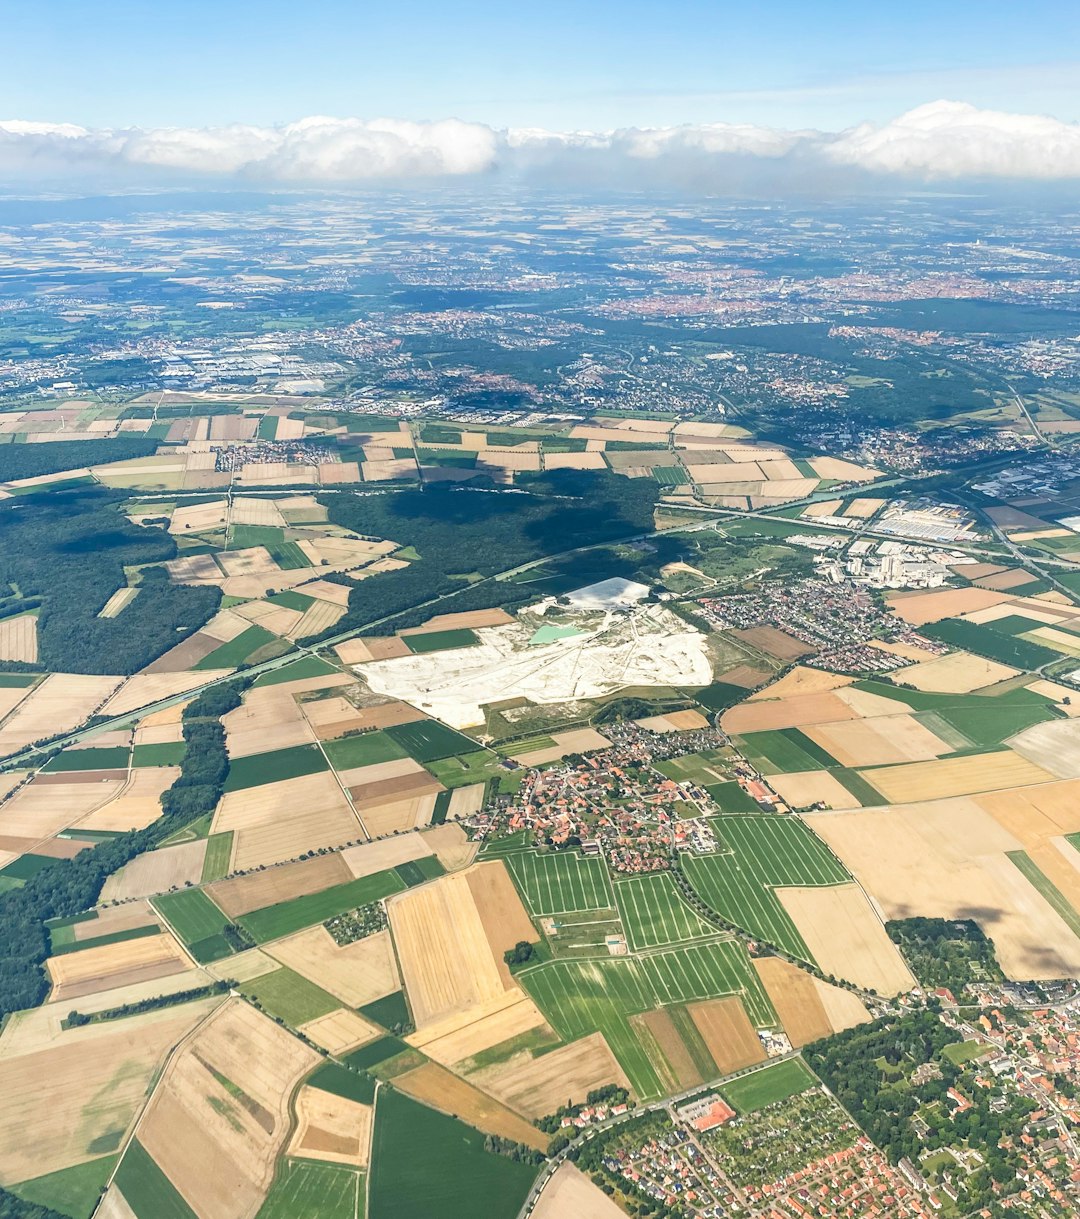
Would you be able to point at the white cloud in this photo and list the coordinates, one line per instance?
(939, 141)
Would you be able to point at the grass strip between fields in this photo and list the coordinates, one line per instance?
(1047, 888)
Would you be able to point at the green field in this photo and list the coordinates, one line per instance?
(71, 1191)
(293, 600)
(1047, 888)
(63, 947)
(18, 681)
(272, 922)
(1008, 649)
(308, 666)
(388, 1011)
(374, 1052)
(367, 749)
(428, 740)
(770, 1084)
(766, 851)
(167, 753)
(441, 641)
(237, 650)
(303, 1189)
(340, 1081)
(654, 913)
(476, 767)
(428, 1166)
(289, 996)
(784, 751)
(112, 758)
(720, 695)
(26, 866)
(580, 997)
(731, 798)
(287, 555)
(147, 1190)
(702, 768)
(197, 921)
(562, 883)
(258, 769)
(216, 859)
(416, 871)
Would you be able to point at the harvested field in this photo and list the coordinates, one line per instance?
(198, 518)
(332, 717)
(459, 1038)
(196, 569)
(340, 1031)
(1053, 745)
(842, 471)
(947, 859)
(374, 857)
(113, 965)
(243, 966)
(1035, 815)
(844, 1009)
(794, 995)
(921, 608)
(727, 1032)
(356, 973)
(807, 788)
(138, 804)
(451, 846)
(505, 919)
(442, 945)
(1006, 579)
(861, 509)
(846, 937)
(186, 656)
(1055, 692)
(962, 776)
(60, 703)
(150, 687)
(538, 1086)
(331, 1128)
(957, 673)
(242, 894)
(774, 642)
(570, 1194)
(799, 711)
(157, 872)
(268, 719)
(675, 1064)
(40, 810)
(373, 796)
(18, 638)
(268, 828)
(318, 618)
(360, 651)
(827, 507)
(799, 681)
(465, 620)
(326, 590)
(435, 1086)
(97, 1075)
(398, 816)
(119, 918)
(879, 741)
(464, 801)
(217, 1141)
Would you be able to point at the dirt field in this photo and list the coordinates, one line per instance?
(97, 1077)
(18, 638)
(138, 803)
(460, 1037)
(1054, 745)
(921, 608)
(113, 965)
(268, 827)
(801, 681)
(356, 973)
(377, 856)
(331, 1128)
(957, 673)
(269, 719)
(118, 918)
(845, 937)
(961, 776)
(466, 620)
(218, 1144)
(570, 1194)
(946, 859)
(810, 787)
(505, 919)
(774, 642)
(61, 702)
(444, 952)
(794, 995)
(157, 872)
(340, 1031)
(727, 1032)
(796, 712)
(879, 741)
(677, 1069)
(435, 1086)
(242, 894)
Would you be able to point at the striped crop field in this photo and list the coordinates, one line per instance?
(655, 913)
(565, 883)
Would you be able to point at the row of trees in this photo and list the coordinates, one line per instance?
(68, 887)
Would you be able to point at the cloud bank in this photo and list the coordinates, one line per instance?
(940, 142)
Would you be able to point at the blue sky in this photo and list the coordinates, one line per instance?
(564, 65)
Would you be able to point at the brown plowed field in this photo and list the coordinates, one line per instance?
(242, 894)
(727, 1033)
